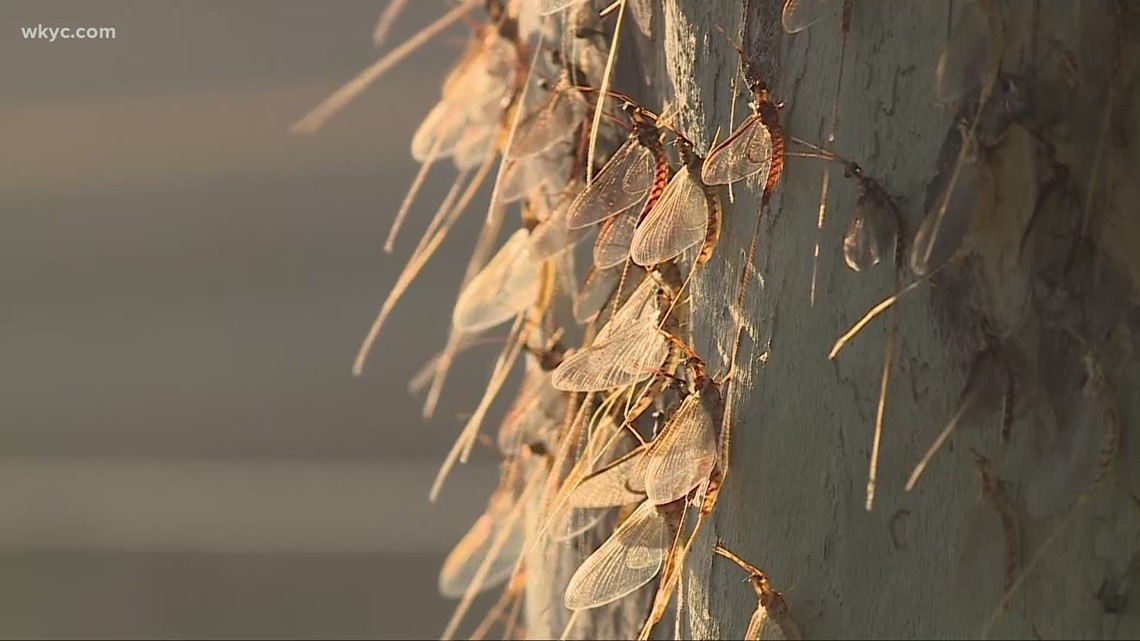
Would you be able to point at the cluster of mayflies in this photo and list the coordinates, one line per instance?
(627, 420)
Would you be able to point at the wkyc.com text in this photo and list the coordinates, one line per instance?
(50, 34)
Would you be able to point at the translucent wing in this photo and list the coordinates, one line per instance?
(628, 356)
(609, 486)
(801, 14)
(629, 559)
(536, 412)
(683, 454)
(552, 122)
(548, 7)
(596, 290)
(442, 126)
(505, 287)
(552, 236)
(614, 239)
(963, 65)
(462, 564)
(623, 183)
(473, 147)
(640, 306)
(676, 222)
(937, 241)
(745, 153)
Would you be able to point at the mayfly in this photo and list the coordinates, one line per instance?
(630, 558)
(539, 408)
(989, 373)
(684, 454)
(686, 215)
(459, 569)
(996, 497)
(698, 431)
(630, 347)
(797, 16)
(552, 122)
(770, 603)
(635, 171)
(510, 283)
(757, 145)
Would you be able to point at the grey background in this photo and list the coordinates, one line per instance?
(183, 451)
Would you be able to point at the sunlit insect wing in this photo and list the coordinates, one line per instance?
(552, 122)
(596, 290)
(641, 305)
(462, 564)
(614, 240)
(623, 183)
(442, 128)
(677, 221)
(801, 14)
(629, 559)
(505, 287)
(683, 454)
(609, 486)
(745, 153)
(628, 356)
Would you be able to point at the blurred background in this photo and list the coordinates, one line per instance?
(183, 450)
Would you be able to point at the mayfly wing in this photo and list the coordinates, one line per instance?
(963, 64)
(443, 127)
(552, 237)
(640, 306)
(505, 287)
(626, 357)
(622, 184)
(871, 234)
(462, 564)
(629, 559)
(551, 123)
(683, 454)
(747, 152)
(801, 14)
(597, 289)
(609, 486)
(677, 221)
(614, 239)
(943, 232)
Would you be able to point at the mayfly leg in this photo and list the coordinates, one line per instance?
(511, 525)
(770, 604)
(316, 118)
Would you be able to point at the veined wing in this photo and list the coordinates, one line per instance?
(614, 239)
(552, 122)
(801, 14)
(462, 564)
(505, 287)
(627, 356)
(683, 454)
(629, 559)
(609, 487)
(444, 127)
(623, 183)
(747, 152)
(595, 292)
(552, 236)
(676, 222)
(640, 306)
